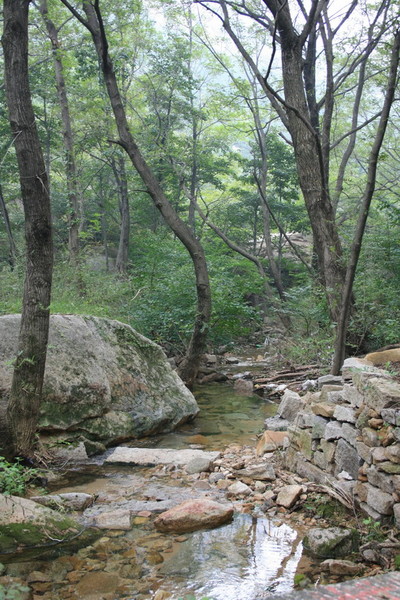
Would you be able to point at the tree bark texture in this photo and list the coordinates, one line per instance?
(119, 169)
(12, 249)
(70, 166)
(26, 390)
(189, 367)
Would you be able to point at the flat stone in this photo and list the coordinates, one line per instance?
(71, 500)
(276, 424)
(324, 409)
(199, 464)
(271, 441)
(382, 393)
(193, 515)
(378, 454)
(389, 467)
(344, 413)
(379, 479)
(239, 489)
(305, 420)
(243, 386)
(114, 519)
(331, 393)
(329, 380)
(262, 472)
(351, 365)
(289, 495)
(341, 567)
(379, 500)
(158, 456)
(97, 583)
(352, 395)
(391, 415)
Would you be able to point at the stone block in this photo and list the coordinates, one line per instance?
(351, 365)
(330, 392)
(329, 449)
(370, 511)
(396, 512)
(361, 491)
(349, 433)
(290, 406)
(324, 409)
(319, 425)
(330, 380)
(320, 461)
(370, 437)
(305, 419)
(271, 441)
(344, 413)
(381, 392)
(378, 455)
(289, 495)
(352, 396)
(276, 424)
(396, 433)
(333, 431)
(380, 501)
(389, 467)
(391, 415)
(364, 451)
(302, 440)
(392, 453)
(380, 480)
(346, 459)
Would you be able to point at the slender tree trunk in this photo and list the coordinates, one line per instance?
(26, 390)
(71, 175)
(197, 345)
(12, 249)
(121, 264)
(342, 324)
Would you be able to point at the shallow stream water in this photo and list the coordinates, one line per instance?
(251, 558)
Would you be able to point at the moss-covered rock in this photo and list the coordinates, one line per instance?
(103, 380)
(333, 542)
(26, 524)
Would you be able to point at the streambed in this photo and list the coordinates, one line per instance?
(252, 558)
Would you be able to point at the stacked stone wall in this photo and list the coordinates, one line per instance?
(347, 435)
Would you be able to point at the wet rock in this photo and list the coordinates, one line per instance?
(289, 495)
(243, 386)
(194, 514)
(158, 456)
(198, 464)
(333, 542)
(26, 523)
(71, 501)
(271, 441)
(113, 519)
(96, 584)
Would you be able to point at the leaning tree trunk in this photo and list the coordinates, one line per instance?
(197, 345)
(26, 390)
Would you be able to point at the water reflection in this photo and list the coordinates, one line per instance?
(248, 559)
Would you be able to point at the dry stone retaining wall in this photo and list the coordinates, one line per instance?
(348, 434)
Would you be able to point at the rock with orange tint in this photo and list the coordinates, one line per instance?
(194, 514)
(271, 441)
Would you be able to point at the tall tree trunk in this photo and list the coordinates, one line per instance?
(70, 166)
(12, 249)
(197, 345)
(340, 342)
(121, 263)
(26, 390)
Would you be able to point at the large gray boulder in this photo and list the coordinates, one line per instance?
(103, 381)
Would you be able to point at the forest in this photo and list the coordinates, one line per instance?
(219, 173)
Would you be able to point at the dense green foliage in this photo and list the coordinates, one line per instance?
(193, 116)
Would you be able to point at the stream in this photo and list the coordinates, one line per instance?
(252, 558)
